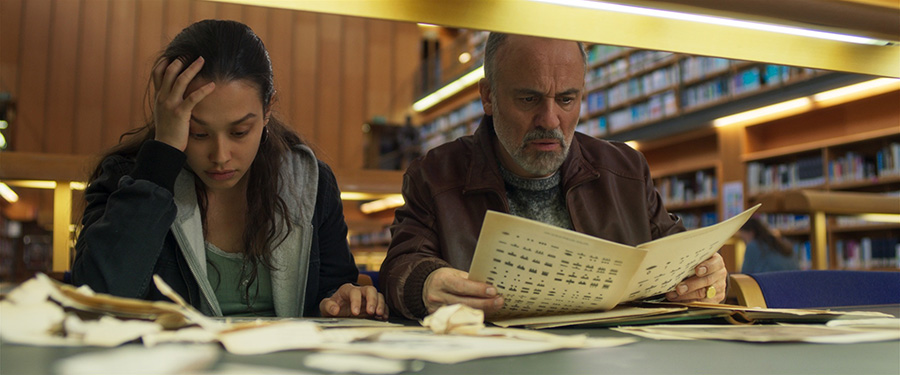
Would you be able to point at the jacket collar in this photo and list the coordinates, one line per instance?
(484, 170)
(290, 258)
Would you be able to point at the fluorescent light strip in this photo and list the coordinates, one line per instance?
(821, 100)
(391, 201)
(796, 105)
(44, 184)
(862, 87)
(449, 90)
(881, 218)
(717, 21)
(358, 196)
(7, 193)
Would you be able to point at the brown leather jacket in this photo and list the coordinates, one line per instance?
(609, 194)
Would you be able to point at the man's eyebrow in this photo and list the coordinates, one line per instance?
(233, 123)
(524, 91)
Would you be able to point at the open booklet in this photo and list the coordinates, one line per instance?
(541, 269)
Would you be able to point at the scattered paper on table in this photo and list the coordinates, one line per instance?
(160, 360)
(360, 364)
(764, 333)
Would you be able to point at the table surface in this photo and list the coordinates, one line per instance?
(643, 357)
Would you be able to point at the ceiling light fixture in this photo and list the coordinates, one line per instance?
(449, 90)
(391, 201)
(7, 193)
(720, 21)
(821, 100)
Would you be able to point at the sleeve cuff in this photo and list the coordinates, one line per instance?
(412, 290)
(159, 163)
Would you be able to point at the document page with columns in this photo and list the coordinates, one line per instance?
(541, 269)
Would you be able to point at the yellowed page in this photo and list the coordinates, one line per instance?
(541, 269)
(673, 258)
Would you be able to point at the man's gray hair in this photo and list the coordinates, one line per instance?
(492, 45)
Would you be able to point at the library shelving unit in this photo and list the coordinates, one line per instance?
(685, 171)
(801, 167)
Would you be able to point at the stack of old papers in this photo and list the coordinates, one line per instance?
(44, 312)
(674, 312)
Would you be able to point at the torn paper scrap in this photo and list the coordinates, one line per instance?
(454, 317)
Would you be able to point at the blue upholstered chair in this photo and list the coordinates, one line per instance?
(810, 289)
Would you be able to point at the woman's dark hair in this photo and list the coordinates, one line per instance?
(232, 51)
(762, 233)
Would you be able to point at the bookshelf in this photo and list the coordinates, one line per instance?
(838, 156)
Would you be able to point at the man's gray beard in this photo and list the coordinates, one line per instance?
(539, 163)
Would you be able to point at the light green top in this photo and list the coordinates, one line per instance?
(224, 274)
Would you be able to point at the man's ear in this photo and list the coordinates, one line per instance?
(484, 88)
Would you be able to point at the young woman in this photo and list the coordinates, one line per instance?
(765, 251)
(218, 197)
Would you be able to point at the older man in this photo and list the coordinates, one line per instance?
(525, 159)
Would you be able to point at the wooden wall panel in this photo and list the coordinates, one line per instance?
(258, 20)
(230, 12)
(119, 70)
(60, 89)
(353, 93)
(328, 118)
(406, 62)
(177, 17)
(31, 117)
(378, 74)
(90, 79)
(148, 43)
(305, 100)
(201, 10)
(82, 81)
(10, 31)
(280, 46)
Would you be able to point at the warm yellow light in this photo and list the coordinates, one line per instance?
(358, 196)
(44, 184)
(881, 218)
(3, 124)
(766, 113)
(632, 144)
(464, 57)
(449, 90)
(2, 142)
(7, 193)
(391, 201)
(33, 184)
(858, 91)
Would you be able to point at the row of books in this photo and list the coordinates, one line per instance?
(853, 166)
(641, 86)
(765, 177)
(867, 252)
(599, 53)
(680, 189)
(654, 108)
(786, 222)
(692, 220)
(747, 80)
(594, 127)
(378, 238)
(454, 118)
